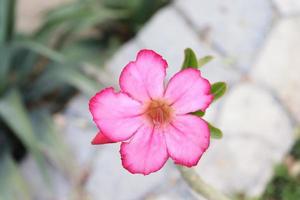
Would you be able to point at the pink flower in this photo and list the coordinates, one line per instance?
(153, 121)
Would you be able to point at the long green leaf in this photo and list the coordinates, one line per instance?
(15, 115)
(41, 49)
(12, 184)
(7, 20)
(78, 16)
(5, 55)
(190, 59)
(74, 77)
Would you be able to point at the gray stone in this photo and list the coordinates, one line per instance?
(79, 129)
(288, 7)
(257, 134)
(58, 189)
(109, 180)
(177, 190)
(249, 110)
(278, 65)
(169, 34)
(236, 27)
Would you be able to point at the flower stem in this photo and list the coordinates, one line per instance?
(199, 186)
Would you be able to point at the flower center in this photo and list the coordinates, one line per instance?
(159, 112)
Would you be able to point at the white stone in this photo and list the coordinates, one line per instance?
(278, 65)
(235, 27)
(109, 180)
(168, 34)
(59, 187)
(79, 129)
(288, 7)
(257, 134)
(249, 110)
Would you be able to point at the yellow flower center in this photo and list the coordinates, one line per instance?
(159, 112)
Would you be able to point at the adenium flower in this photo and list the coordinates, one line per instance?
(153, 121)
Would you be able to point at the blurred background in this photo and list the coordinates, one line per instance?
(54, 55)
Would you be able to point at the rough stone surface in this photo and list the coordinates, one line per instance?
(59, 188)
(278, 65)
(109, 175)
(288, 7)
(78, 129)
(257, 133)
(169, 34)
(237, 28)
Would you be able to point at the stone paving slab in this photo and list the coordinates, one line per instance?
(169, 34)
(257, 133)
(235, 27)
(109, 180)
(59, 188)
(288, 7)
(278, 65)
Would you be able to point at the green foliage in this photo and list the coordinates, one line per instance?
(190, 59)
(15, 115)
(199, 113)
(203, 61)
(218, 89)
(12, 185)
(295, 152)
(284, 186)
(40, 72)
(7, 22)
(215, 133)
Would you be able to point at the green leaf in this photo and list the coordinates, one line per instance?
(12, 184)
(57, 74)
(15, 115)
(7, 20)
(41, 49)
(203, 61)
(78, 80)
(215, 132)
(190, 59)
(199, 113)
(5, 56)
(218, 89)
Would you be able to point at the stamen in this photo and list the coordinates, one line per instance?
(159, 112)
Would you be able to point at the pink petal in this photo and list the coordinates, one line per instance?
(117, 115)
(144, 78)
(101, 139)
(188, 92)
(187, 139)
(146, 152)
